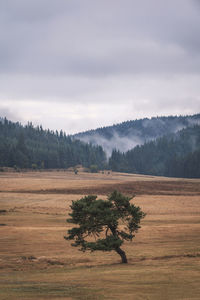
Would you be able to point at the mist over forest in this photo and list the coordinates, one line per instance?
(127, 135)
(161, 146)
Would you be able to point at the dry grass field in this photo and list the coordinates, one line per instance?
(37, 263)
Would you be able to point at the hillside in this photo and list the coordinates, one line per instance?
(176, 155)
(162, 146)
(127, 135)
(28, 146)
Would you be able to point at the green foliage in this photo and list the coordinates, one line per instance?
(175, 155)
(109, 222)
(143, 129)
(34, 166)
(27, 146)
(94, 169)
(75, 171)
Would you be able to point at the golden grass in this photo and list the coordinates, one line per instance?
(37, 263)
(63, 180)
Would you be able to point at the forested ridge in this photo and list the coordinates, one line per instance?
(146, 127)
(127, 135)
(33, 147)
(174, 155)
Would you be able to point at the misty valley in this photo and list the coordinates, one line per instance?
(161, 146)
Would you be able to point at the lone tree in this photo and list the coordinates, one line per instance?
(104, 224)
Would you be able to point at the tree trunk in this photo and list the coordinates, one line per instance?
(122, 254)
(118, 249)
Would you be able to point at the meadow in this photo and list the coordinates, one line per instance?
(36, 262)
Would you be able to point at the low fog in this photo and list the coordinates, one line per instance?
(127, 135)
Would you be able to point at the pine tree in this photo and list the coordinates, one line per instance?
(102, 220)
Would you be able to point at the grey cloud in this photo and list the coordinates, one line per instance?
(6, 112)
(124, 58)
(147, 94)
(22, 11)
(99, 38)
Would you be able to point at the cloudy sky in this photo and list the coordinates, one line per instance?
(81, 64)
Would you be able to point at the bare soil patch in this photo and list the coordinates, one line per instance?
(130, 188)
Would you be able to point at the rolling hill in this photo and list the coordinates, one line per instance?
(173, 155)
(33, 147)
(127, 135)
(163, 146)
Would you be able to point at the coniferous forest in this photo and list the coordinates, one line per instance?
(174, 154)
(34, 147)
(127, 135)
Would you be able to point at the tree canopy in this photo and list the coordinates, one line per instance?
(174, 155)
(104, 224)
(33, 147)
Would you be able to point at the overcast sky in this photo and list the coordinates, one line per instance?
(81, 64)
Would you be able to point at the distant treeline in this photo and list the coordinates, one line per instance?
(174, 155)
(144, 129)
(125, 136)
(33, 147)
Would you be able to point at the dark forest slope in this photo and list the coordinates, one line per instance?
(127, 135)
(169, 146)
(176, 155)
(27, 146)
